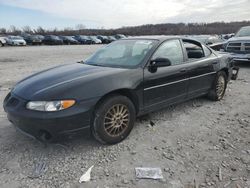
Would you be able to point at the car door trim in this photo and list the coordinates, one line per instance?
(193, 77)
(162, 85)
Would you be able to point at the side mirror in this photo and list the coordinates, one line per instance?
(158, 62)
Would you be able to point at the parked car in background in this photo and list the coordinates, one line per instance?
(83, 39)
(52, 40)
(227, 36)
(40, 37)
(239, 45)
(111, 39)
(15, 41)
(33, 39)
(120, 36)
(123, 80)
(2, 41)
(95, 40)
(207, 39)
(69, 40)
(104, 39)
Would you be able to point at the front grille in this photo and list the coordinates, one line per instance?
(247, 47)
(238, 47)
(234, 47)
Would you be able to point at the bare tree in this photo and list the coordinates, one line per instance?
(27, 29)
(150, 29)
(40, 30)
(3, 31)
(14, 30)
(80, 27)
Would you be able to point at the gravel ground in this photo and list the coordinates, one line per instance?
(198, 143)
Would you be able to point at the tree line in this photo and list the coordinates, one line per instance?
(150, 29)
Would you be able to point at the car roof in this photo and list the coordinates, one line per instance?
(160, 38)
(246, 26)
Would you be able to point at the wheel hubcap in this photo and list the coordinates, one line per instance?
(116, 120)
(220, 87)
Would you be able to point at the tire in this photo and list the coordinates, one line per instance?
(113, 119)
(1, 44)
(219, 86)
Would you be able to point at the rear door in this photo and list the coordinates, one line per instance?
(167, 84)
(201, 70)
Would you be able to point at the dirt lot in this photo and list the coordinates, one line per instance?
(196, 144)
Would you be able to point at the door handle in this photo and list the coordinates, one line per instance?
(183, 70)
(216, 62)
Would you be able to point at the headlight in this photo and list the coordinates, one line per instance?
(50, 106)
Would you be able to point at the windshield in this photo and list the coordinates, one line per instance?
(124, 53)
(93, 37)
(55, 37)
(68, 37)
(243, 32)
(84, 37)
(16, 38)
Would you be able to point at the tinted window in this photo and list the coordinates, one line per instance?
(172, 50)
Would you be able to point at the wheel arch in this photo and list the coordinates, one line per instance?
(225, 69)
(124, 92)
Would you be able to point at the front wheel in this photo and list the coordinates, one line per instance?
(114, 119)
(218, 89)
(1, 44)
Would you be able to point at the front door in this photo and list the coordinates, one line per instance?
(167, 84)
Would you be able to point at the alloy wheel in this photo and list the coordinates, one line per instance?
(116, 120)
(220, 87)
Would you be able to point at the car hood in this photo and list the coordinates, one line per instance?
(60, 79)
(239, 39)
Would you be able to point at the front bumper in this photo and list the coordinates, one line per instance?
(240, 57)
(19, 44)
(52, 124)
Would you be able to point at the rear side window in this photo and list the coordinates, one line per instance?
(194, 51)
(172, 50)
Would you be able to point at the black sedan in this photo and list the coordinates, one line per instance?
(82, 39)
(33, 39)
(69, 40)
(52, 40)
(121, 81)
(104, 39)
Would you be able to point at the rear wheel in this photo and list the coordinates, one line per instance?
(218, 89)
(114, 119)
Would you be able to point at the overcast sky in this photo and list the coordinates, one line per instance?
(118, 13)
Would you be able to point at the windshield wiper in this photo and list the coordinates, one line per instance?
(82, 62)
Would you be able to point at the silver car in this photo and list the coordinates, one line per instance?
(16, 41)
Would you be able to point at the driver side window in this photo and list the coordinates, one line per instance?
(171, 50)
